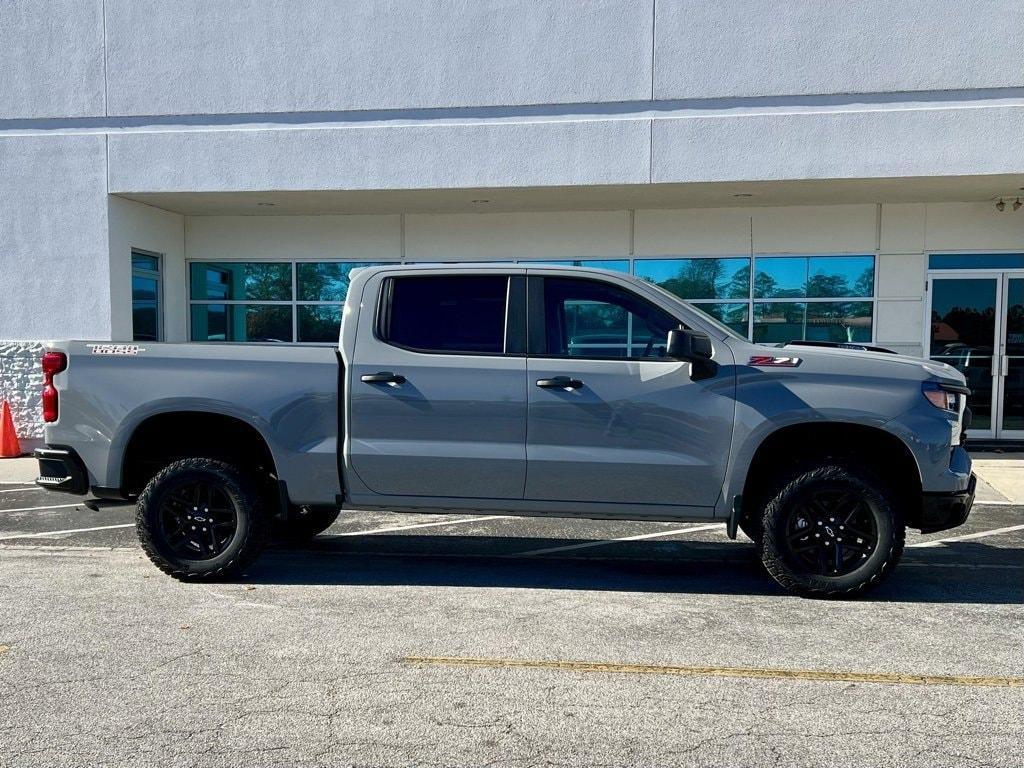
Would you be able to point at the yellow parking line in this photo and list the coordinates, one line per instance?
(745, 672)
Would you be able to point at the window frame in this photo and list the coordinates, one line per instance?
(157, 275)
(515, 324)
(537, 326)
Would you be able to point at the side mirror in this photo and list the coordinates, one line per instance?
(693, 347)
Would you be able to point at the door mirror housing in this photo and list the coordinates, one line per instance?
(694, 347)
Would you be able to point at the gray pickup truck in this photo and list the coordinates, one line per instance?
(529, 390)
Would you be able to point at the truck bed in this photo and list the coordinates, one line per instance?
(289, 394)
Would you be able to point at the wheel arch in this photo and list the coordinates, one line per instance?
(162, 435)
(794, 445)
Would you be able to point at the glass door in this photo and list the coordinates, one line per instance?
(962, 332)
(1011, 363)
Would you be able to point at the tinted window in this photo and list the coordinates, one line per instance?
(698, 278)
(448, 314)
(976, 261)
(241, 322)
(587, 318)
(326, 280)
(145, 297)
(242, 281)
(780, 278)
(834, 276)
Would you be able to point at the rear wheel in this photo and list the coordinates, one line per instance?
(832, 531)
(201, 519)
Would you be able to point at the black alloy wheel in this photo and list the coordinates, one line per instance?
(198, 520)
(831, 531)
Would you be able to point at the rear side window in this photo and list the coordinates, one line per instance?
(456, 314)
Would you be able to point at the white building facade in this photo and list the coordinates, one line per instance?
(209, 171)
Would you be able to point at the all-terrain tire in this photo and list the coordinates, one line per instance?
(304, 524)
(234, 488)
(878, 502)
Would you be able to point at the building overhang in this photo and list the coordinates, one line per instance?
(596, 197)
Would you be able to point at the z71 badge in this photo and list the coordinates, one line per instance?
(116, 349)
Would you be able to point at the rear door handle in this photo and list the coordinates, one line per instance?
(384, 377)
(559, 382)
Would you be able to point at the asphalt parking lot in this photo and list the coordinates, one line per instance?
(413, 639)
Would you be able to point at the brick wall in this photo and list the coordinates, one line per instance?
(21, 384)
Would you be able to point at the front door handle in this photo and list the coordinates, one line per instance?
(559, 382)
(384, 377)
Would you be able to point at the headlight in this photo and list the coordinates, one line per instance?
(944, 396)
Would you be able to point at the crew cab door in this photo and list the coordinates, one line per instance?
(438, 386)
(610, 418)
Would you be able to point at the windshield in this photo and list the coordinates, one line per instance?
(706, 318)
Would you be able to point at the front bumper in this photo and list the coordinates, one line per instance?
(60, 469)
(942, 511)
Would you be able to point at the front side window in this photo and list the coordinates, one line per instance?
(588, 318)
(459, 314)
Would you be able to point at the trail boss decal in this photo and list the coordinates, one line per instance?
(116, 349)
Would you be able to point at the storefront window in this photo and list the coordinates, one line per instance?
(789, 298)
(698, 278)
(768, 298)
(278, 301)
(147, 319)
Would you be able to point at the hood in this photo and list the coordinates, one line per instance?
(869, 361)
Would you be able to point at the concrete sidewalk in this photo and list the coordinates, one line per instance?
(1000, 475)
(22, 470)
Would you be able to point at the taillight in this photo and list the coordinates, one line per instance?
(53, 363)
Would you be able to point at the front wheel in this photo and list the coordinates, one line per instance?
(832, 531)
(201, 519)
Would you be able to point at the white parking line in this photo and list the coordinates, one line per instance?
(419, 525)
(969, 536)
(606, 542)
(38, 509)
(998, 504)
(47, 534)
(26, 488)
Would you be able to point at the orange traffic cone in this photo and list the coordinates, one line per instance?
(9, 445)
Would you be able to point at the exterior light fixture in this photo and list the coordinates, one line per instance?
(267, 205)
(1001, 206)
(478, 202)
(743, 194)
